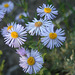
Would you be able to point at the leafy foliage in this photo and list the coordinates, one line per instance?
(2, 64)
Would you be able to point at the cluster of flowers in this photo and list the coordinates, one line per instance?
(15, 35)
(7, 7)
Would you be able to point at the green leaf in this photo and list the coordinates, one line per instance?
(43, 55)
(57, 74)
(44, 71)
(41, 71)
(2, 65)
(1, 52)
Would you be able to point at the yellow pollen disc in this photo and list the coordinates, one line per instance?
(9, 27)
(52, 35)
(14, 34)
(38, 24)
(20, 17)
(6, 5)
(47, 10)
(31, 61)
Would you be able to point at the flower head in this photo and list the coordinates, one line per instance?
(19, 16)
(32, 63)
(2, 13)
(22, 52)
(16, 36)
(5, 30)
(37, 26)
(52, 38)
(7, 6)
(48, 11)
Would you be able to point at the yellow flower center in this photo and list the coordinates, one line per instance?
(47, 10)
(38, 24)
(20, 17)
(9, 27)
(52, 35)
(6, 5)
(14, 34)
(31, 61)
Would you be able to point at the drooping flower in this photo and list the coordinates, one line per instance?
(32, 63)
(7, 6)
(22, 52)
(5, 30)
(52, 38)
(19, 16)
(16, 36)
(37, 26)
(2, 13)
(48, 11)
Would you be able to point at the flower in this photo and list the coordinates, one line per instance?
(22, 52)
(5, 30)
(32, 63)
(16, 36)
(19, 16)
(7, 6)
(37, 26)
(48, 11)
(2, 13)
(52, 38)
